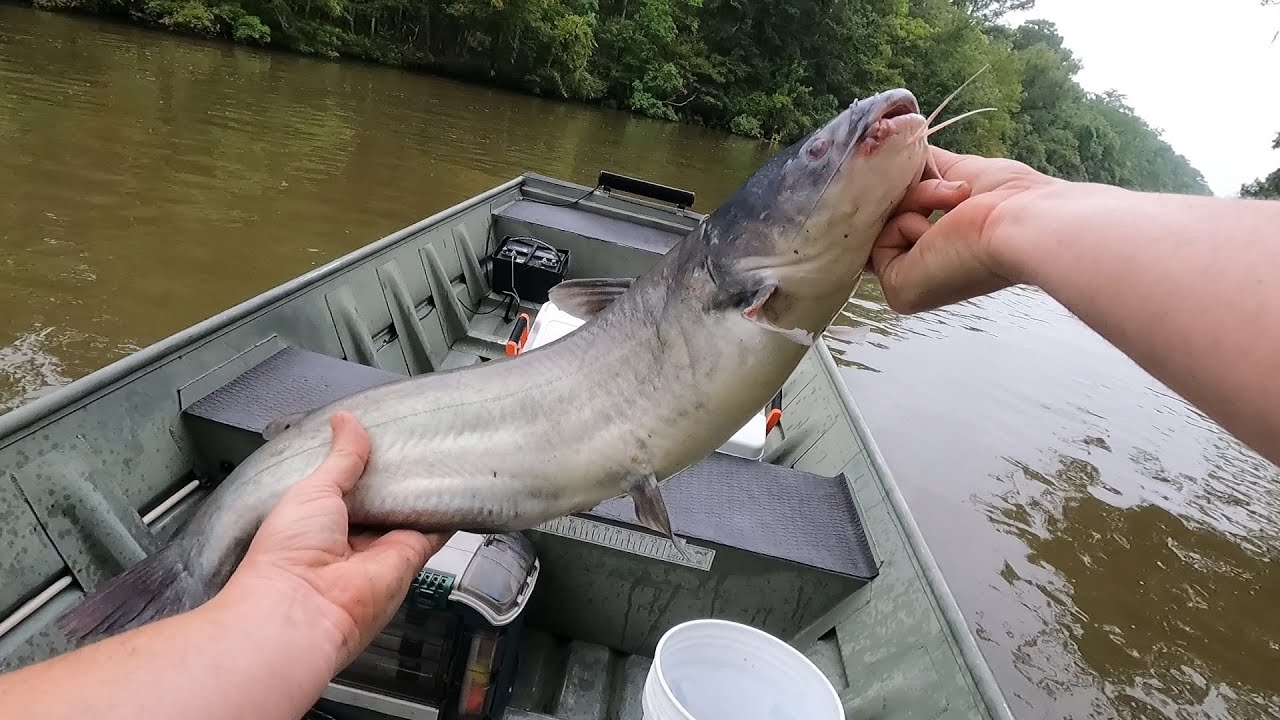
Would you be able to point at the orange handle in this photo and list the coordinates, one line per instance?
(774, 418)
(519, 335)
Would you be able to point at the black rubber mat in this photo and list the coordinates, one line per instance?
(758, 507)
(767, 509)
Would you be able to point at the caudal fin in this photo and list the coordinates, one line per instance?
(153, 588)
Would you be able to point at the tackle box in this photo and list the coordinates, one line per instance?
(449, 653)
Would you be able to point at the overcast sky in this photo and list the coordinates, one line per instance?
(1206, 72)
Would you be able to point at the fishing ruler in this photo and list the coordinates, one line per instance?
(627, 540)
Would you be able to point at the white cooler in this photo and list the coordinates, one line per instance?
(552, 323)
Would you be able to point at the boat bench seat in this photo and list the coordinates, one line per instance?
(753, 506)
(290, 381)
(763, 508)
(590, 225)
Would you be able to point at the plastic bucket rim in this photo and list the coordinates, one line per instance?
(787, 649)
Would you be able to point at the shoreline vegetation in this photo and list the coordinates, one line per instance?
(767, 69)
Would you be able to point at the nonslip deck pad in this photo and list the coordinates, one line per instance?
(766, 509)
(290, 381)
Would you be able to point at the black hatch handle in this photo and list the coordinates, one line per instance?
(682, 199)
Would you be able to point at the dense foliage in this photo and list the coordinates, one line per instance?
(1267, 188)
(762, 68)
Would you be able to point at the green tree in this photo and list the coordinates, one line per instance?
(771, 69)
(992, 10)
(1267, 188)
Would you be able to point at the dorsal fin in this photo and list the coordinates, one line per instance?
(587, 297)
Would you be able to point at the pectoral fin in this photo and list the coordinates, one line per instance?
(587, 297)
(282, 423)
(651, 511)
(847, 334)
(756, 313)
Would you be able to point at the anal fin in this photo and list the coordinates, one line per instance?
(651, 510)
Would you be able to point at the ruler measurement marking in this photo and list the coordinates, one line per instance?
(626, 540)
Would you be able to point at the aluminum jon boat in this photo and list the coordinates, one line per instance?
(794, 526)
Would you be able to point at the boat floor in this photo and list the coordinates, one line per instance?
(569, 680)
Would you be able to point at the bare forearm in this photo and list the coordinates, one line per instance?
(226, 659)
(1184, 286)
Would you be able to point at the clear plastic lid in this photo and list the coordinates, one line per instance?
(494, 574)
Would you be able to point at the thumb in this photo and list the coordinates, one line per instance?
(893, 247)
(347, 457)
(923, 266)
(391, 561)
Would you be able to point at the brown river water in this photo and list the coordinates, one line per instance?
(1113, 549)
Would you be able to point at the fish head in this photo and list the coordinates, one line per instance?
(805, 223)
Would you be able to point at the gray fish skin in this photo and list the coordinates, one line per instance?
(652, 383)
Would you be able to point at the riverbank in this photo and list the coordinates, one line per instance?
(226, 23)
(754, 68)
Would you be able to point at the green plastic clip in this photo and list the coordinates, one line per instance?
(430, 590)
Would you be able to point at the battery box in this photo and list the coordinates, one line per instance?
(528, 267)
(449, 653)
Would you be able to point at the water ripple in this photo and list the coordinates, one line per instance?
(30, 368)
(1114, 548)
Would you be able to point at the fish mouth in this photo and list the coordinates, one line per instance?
(891, 112)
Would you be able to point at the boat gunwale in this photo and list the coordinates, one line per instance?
(26, 416)
(974, 663)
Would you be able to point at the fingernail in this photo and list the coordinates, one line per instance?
(952, 185)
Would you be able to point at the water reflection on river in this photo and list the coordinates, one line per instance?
(1115, 551)
(151, 180)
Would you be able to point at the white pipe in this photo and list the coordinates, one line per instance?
(34, 604)
(31, 606)
(174, 499)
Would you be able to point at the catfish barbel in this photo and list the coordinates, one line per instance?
(664, 370)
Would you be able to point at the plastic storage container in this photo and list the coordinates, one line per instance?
(721, 670)
(449, 652)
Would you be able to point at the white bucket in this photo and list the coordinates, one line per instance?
(721, 670)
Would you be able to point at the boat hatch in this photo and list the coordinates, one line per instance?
(450, 649)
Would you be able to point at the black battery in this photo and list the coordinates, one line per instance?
(528, 267)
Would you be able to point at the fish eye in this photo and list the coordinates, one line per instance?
(818, 148)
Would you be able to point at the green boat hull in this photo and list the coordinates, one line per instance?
(101, 471)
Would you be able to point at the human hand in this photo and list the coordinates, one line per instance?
(923, 265)
(303, 559)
